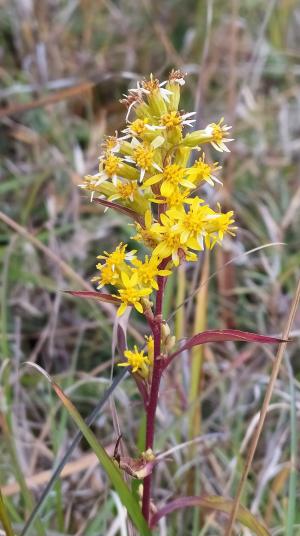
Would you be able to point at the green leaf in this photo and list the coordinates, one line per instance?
(4, 518)
(111, 469)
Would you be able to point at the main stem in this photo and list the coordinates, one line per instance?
(156, 376)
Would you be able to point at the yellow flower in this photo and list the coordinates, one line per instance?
(138, 126)
(192, 225)
(137, 361)
(145, 233)
(170, 244)
(175, 119)
(111, 144)
(143, 155)
(141, 127)
(130, 294)
(217, 226)
(150, 347)
(202, 171)
(117, 257)
(111, 164)
(148, 271)
(108, 276)
(171, 119)
(177, 198)
(219, 135)
(214, 133)
(124, 191)
(172, 176)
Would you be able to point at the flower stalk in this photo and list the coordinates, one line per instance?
(155, 383)
(145, 174)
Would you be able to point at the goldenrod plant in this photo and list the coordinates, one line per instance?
(153, 172)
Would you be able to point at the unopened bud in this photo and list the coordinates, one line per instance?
(165, 331)
(170, 342)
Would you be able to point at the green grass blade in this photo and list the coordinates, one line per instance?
(113, 472)
(57, 471)
(111, 469)
(4, 518)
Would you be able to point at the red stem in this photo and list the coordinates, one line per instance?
(156, 377)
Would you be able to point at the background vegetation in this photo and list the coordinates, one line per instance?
(65, 65)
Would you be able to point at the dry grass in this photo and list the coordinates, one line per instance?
(65, 64)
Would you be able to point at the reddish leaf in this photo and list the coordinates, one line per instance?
(222, 336)
(101, 296)
(212, 502)
(124, 210)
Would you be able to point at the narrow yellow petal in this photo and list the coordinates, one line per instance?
(138, 307)
(152, 180)
(121, 309)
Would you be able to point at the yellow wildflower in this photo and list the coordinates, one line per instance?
(118, 256)
(177, 198)
(111, 144)
(146, 233)
(202, 171)
(171, 176)
(171, 119)
(124, 191)
(111, 164)
(148, 270)
(130, 293)
(175, 119)
(108, 276)
(144, 157)
(217, 226)
(219, 135)
(170, 244)
(137, 361)
(141, 127)
(192, 225)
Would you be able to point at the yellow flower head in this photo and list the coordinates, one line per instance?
(144, 156)
(148, 271)
(192, 224)
(202, 171)
(171, 177)
(138, 127)
(150, 85)
(177, 198)
(124, 191)
(117, 257)
(137, 361)
(108, 276)
(111, 144)
(171, 120)
(111, 164)
(171, 244)
(130, 293)
(217, 226)
(219, 135)
(145, 233)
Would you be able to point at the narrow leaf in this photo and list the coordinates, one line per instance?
(58, 469)
(212, 502)
(222, 336)
(112, 471)
(101, 296)
(124, 210)
(4, 518)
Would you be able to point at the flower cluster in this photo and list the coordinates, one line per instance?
(148, 171)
